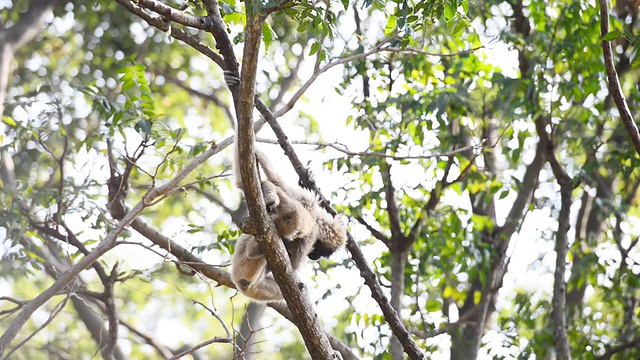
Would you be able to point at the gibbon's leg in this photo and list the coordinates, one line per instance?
(271, 174)
(250, 273)
(265, 290)
(248, 265)
(292, 220)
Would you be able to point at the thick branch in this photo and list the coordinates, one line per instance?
(181, 254)
(174, 31)
(56, 264)
(397, 235)
(344, 350)
(293, 290)
(614, 82)
(620, 348)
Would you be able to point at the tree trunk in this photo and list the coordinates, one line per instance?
(6, 55)
(95, 324)
(398, 265)
(559, 314)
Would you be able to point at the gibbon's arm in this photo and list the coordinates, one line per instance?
(268, 169)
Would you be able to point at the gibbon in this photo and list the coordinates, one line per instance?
(306, 229)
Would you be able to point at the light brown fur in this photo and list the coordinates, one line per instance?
(299, 220)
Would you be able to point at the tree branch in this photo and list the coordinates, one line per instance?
(345, 150)
(376, 234)
(105, 245)
(398, 328)
(559, 315)
(293, 291)
(620, 348)
(614, 82)
(397, 235)
(183, 255)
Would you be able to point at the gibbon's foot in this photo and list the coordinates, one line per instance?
(244, 284)
(271, 198)
(230, 78)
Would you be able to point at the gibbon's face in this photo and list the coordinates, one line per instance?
(287, 224)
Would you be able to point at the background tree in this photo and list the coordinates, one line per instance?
(479, 160)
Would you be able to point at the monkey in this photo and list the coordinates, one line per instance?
(299, 220)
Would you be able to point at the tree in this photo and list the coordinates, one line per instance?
(482, 147)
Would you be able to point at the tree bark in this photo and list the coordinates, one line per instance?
(398, 265)
(293, 290)
(55, 265)
(614, 82)
(558, 312)
(560, 286)
(94, 323)
(466, 340)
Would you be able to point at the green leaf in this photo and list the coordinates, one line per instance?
(448, 291)
(432, 305)
(143, 127)
(128, 85)
(314, 48)
(504, 194)
(267, 34)
(635, 56)
(177, 134)
(9, 121)
(477, 296)
(449, 11)
(459, 27)
(612, 35)
(392, 23)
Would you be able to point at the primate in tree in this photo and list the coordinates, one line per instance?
(306, 229)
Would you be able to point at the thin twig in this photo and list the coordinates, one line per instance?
(345, 150)
(52, 316)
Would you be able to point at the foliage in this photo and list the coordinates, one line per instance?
(444, 101)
